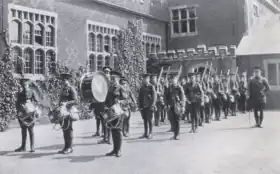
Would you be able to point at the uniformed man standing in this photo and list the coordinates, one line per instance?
(234, 93)
(202, 107)
(164, 85)
(69, 97)
(147, 103)
(160, 98)
(258, 86)
(129, 101)
(243, 90)
(115, 96)
(26, 95)
(176, 105)
(184, 83)
(194, 96)
(100, 109)
(218, 99)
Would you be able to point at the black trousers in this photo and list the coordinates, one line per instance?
(242, 103)
(194, 112)
(126, 123)
(147, 116)
(24, 130)
(105, 130)
(259, 107)
(201, 115)
(207, 110)
(233, 108)
(67, 129)
(226, 106)
(217, 105)
(175, 121)
(117, 139)
(159, 114)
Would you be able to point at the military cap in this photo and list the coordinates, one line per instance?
(115, 73)
(123, 79)
(146, 75)
(65, 76)
(257, 68)
(106, 68)
(190, 74)
(153, 75)
(24, 79)
(172, 76)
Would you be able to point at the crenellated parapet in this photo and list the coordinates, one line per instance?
(200, 52)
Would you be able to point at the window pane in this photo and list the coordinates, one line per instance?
(272, 74)
(147, 49)
(15, 32)
(175, 15)
(49, 37)
(92, 63)
(153, 49)
(106, 43)
(184, 27)
(91, 42)
(50, 57)
(99, 63)
(99, 43)
(158, 49)
(15, 54)
(28, 61)
(38, 35)
(192, 25)
(191, 12)
(183, 14)
(27, 33)
(115, 42)
(175, 27)
(107, 61)
(39, 62)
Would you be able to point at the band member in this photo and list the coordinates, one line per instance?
(243, 90)
(115, 96)
(234, 94)
(160, 99)
(26, 100)
(176, 105)
(184, 83)
(147, 103)
(68, 97)
(194, 95)
(164, 85)
(226, 96)
(258, 86)
(218, 100)
(202, 107)
(99, 110)
(129, 102)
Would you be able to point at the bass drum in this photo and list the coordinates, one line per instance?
(94, 87)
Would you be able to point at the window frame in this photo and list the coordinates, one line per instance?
(277, 62)
(179, 8)
(23, 14)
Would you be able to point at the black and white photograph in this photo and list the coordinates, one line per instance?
(139, 86)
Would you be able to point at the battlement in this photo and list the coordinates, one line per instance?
(201, 51)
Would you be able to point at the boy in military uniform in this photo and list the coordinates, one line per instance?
(234, 93)
(195, 99)
(129, 101)
(160, 98)
(26, 95)
(98, 109)
(176, 105)
(202, 107)
(115, 96)
(243, 90)
(69, 97)
(147, 103)
(257, 87)
(218, 99)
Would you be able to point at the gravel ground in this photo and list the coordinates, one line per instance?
(227, 147)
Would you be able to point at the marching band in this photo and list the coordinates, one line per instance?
(198, 98)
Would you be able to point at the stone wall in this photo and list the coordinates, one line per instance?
(221, 57)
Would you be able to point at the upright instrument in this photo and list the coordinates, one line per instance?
(94, 87)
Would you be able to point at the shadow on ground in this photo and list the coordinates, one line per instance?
(80, 159)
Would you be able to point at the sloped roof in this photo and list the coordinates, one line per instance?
(263, 38)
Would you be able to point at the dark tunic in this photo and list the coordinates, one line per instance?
(147, 97)
(257, 87)
(194, 93)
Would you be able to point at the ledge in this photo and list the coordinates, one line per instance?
(33, 77)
